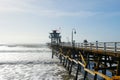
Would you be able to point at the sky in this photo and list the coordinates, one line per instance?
(31, 21)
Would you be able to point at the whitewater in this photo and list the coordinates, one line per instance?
(29, 62)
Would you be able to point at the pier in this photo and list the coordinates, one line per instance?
(96, 59)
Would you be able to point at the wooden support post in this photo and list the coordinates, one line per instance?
(63, 60)
(85, 75)
(77, 72)
(105, 59)
(105, 65)
(67, 61)
(110, 59)
(97, 66)
(70, 70)
(68, 64)
(87, 63)
(60, 57)
(80, 68)
(70, 60)
(88, 60)
(79, 60)
(52, 53)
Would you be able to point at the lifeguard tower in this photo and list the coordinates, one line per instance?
(55, 37)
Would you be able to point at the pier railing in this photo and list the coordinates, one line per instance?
(106, 46)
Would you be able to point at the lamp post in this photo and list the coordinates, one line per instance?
(73, 32)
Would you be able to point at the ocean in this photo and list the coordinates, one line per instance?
(29, 62)
(33, 62)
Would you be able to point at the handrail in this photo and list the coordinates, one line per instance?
(111, 46)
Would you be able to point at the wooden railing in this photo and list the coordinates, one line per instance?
(106, 46)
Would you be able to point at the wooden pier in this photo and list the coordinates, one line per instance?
(96, 59)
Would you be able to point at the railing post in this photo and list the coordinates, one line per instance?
(104, 46)
(115, 47)
(90, 46)
(81, 45)
(96, 45)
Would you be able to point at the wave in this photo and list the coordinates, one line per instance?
(24, 51)
(20, 48)
(25, 45)
(55, 61)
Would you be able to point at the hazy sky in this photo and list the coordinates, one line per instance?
(31, 21)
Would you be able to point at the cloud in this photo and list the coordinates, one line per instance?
(56, 13)
(27, 6)
(14, 5)
(40, 9)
